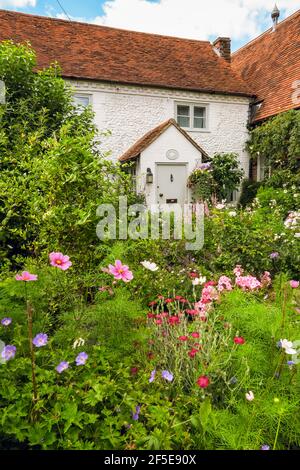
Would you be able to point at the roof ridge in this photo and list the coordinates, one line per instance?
(51, 18)
(288, 18)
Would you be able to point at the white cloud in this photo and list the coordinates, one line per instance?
(198, 19)
(17, 3)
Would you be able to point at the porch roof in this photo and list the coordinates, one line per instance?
(136, 149)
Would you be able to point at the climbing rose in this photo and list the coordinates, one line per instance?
(120, 271)
(239, 340)
(62, 366)
(58, 260)
(40, 340)
(26, 276)
(203, 381)
(8, 352)
(294, 284)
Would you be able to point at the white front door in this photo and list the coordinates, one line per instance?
(171, 184)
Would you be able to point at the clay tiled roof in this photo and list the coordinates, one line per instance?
(87, 51)
(144, 142)
(271, 65)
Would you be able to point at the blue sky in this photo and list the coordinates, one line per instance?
(242, 20)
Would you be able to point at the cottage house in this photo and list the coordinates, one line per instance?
(167, 101)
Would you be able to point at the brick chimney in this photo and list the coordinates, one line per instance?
(222, 47)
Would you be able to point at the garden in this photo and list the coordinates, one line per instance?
(141, 344)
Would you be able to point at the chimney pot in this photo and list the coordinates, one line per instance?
(223, 48)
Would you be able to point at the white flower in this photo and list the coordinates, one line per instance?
(78, 343)
(297, 235)
(151, 266)
(287, 346)
(198, 281)
(250, 396)
(220, 206)
(232, 214)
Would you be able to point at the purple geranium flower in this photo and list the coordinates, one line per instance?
(81, 359)
(265, 447)
(6, 321)
(291, 363)
(167, 375)
(40, 340)
(135, 415)
(62, 366)
(8, 352)
(274, 255)
(152, 377)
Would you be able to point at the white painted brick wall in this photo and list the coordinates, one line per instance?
(129, 112)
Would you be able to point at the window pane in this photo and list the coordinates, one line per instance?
(81, 100)
(183, 121)
(199, 112)
(199, 123)
(183, 110)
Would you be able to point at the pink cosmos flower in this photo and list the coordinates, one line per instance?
(120, 271)
(294, 284)
(26, 276)
(58, 260)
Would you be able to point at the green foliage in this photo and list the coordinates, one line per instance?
(216, 179)
(53, 176)
(249, 192)
(227, 174)
(278, 141)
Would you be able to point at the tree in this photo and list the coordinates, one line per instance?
(52, 175)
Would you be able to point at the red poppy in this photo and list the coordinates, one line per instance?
(203, 381)
(210, 283)
(174, 320)
(178, 297)
(193, 352)
(134, 370)
(160, 297)
(195, 335)
(239, 340)
(158, 322)
(192, 312)
(151, 304)
(183, 301)
(168, 301)
(183, 338)
(151, 315)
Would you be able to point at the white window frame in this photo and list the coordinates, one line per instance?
(83, 95)
(193, 105)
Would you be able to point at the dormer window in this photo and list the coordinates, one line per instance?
(191, 116)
